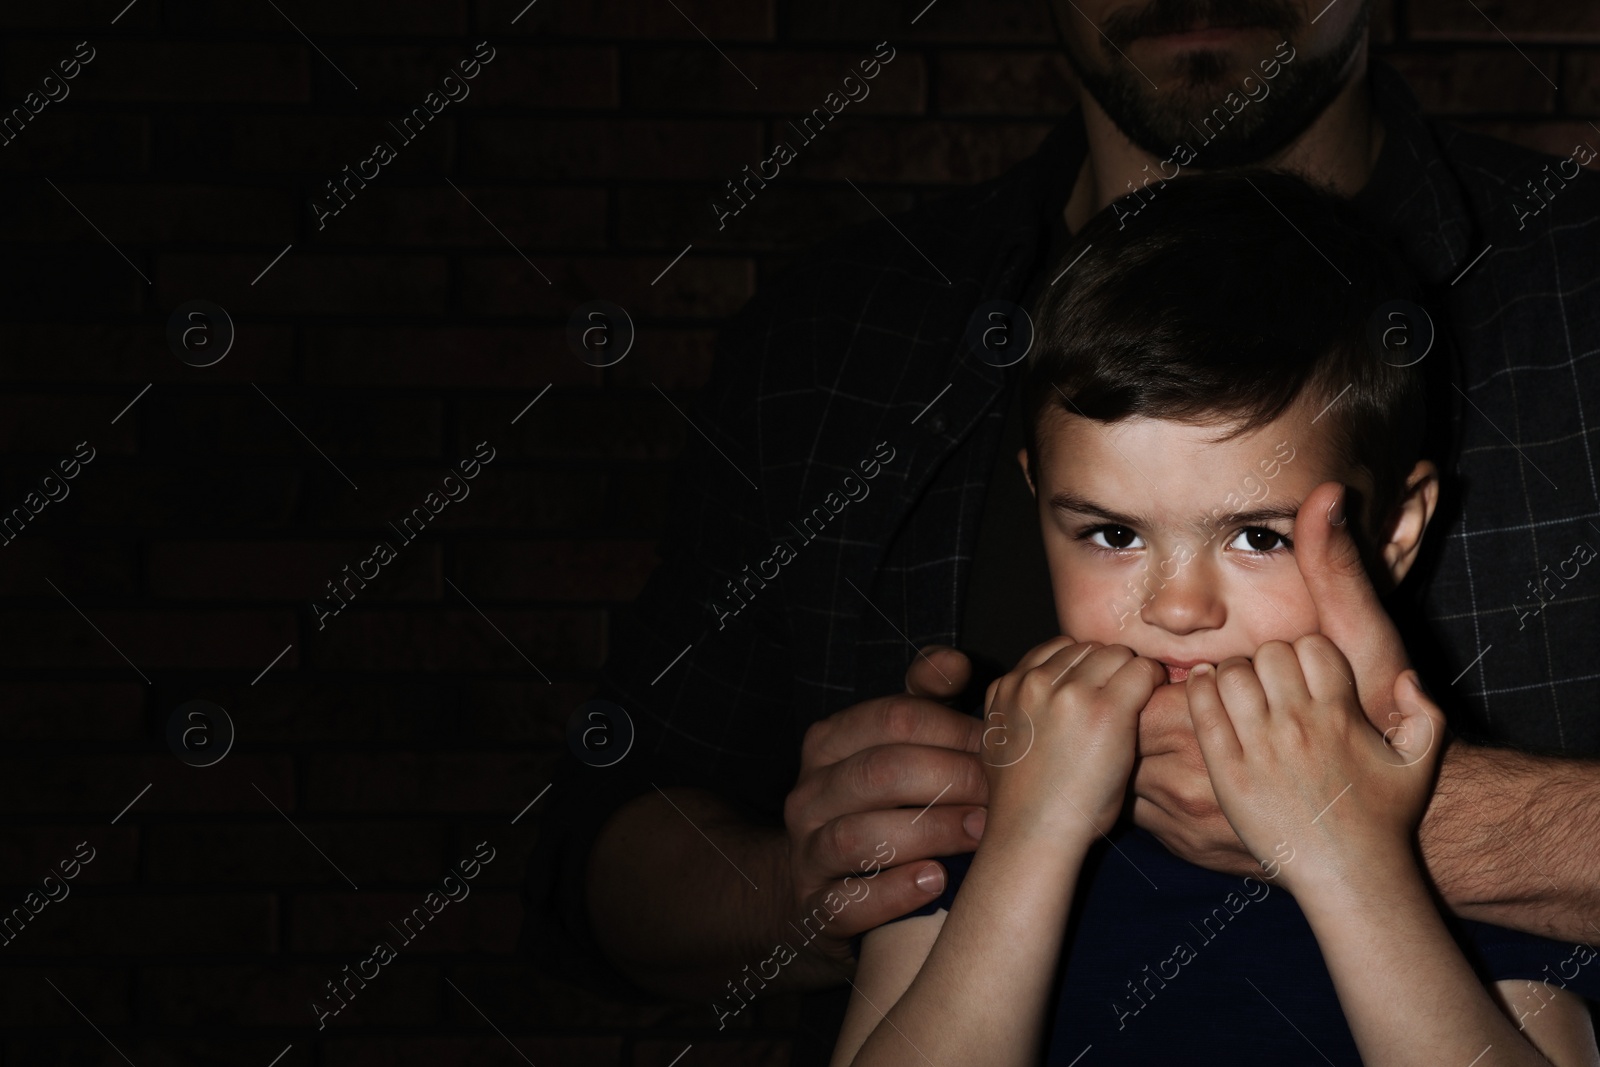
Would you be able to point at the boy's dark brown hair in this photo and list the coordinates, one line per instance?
(1223, 297)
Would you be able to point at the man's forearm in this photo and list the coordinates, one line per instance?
(682, 918)
(1514, 839)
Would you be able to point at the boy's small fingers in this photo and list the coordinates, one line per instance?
(1421, 723)
(1131, 684)
(1213, 728)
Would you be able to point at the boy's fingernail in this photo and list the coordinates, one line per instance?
(1199, 668)
(973, 823)
(930, 879)
(1336, 511)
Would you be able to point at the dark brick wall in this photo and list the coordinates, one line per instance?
(370, 358)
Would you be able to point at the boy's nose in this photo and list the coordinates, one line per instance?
(1184, 603)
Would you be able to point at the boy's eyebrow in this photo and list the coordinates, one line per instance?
(1069, 501)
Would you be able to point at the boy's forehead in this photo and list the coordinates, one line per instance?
(1152, 465)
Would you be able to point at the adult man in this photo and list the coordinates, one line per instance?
(863, 458)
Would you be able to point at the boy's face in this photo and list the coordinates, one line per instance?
(1175, 546)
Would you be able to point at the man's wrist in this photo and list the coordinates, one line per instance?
(1455, 828)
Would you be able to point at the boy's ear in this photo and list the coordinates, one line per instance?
(1022, 461)
(1416, 509)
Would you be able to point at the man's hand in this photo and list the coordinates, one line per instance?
(850, 838)
(1174, 799)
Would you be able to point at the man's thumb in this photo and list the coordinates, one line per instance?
(939, 672)
(1331, 564)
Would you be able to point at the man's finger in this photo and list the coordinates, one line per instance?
(1349, 612)
(896, 775)
(888, 838)
(902, 719)
(938, 672)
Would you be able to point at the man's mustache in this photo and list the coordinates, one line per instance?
(1176, 16)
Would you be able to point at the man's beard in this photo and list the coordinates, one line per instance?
(1158, 121)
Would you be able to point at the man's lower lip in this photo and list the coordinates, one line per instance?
(1177, 674)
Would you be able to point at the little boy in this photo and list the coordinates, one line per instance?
(1196, 377)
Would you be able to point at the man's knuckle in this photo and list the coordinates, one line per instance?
(897, 717)
(876, 771)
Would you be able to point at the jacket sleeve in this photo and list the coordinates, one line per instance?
(706, 688)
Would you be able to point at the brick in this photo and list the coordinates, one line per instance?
(526, 713)
(583, 571)
(576, 149)
(401, 75)
(79, 15)
(410, 712)
(162, 71)
(636, 501)
(1520, 20)
(787, 216)
(1480, 80)
(70, 711)
(1383, 25)
(516, 995)
(353, 922)
(244, 424)
(78, 567)
(610, 19)
(153, 213)
(512, 845)
(674, 360)
(696, 286)
(922, 152)
(228, 853)
(66, 144)
(192, 497)
(293, 571)
(279, 995)
(582, 423)
(455, 357)
(699, 80)
(47, 427)
(359, 18)
(1031, 84)
(535, 222)
(141, 1049)
(561, 77)
(425, 781)
(319, 144)
(546, 1051)
(212, 640)
(390, 495)
(107, 784)
(149, 925)
(102, 281)
(101, 993)
(752, 1053)
(108, 354)
(388, 640)
(29, 853)
(850, 22)
(308, 282)
(1582, 82)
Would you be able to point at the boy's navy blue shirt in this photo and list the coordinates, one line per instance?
(1165, 962)
(858, 351)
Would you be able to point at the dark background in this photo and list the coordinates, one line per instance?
(378, 351)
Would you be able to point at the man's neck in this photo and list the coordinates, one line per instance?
(1339, 148)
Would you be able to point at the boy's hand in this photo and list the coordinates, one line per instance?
(1059, 739)
(1297, 766)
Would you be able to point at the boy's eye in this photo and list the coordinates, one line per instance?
(1112, 537)
(1258, 539)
